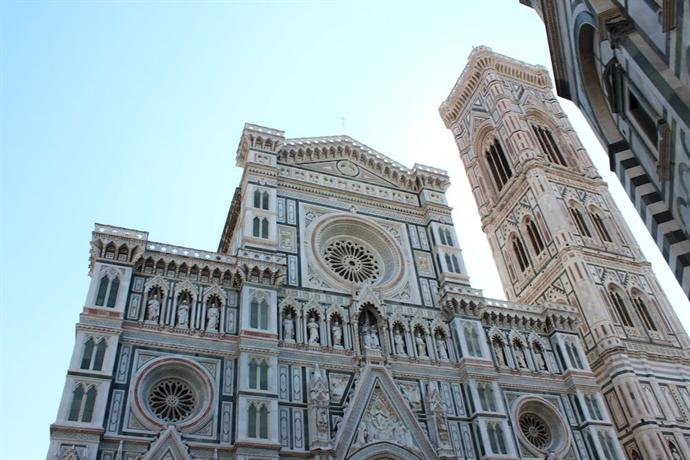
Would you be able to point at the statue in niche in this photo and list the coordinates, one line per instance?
(153, 309)
(313, 328)
(399, 341)
(441, 347)
(212, 316)
(498, 350)
(421, 345)
(368, 330)
(337, 331)
(288, 327)
(183, 314)
(520, 356)
(541, 359)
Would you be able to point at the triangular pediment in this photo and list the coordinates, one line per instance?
(379, 417)
(168, 446)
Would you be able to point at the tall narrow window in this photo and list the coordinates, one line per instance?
(75, 408)
(600, 226)
(264, 200)
(264, 228)
(472, 341)
(87, 353)
(263, 315)
(100, 355)
(449, 237)
(257, 198)
(456, 264)
(574, 355)
(621, 309)
(254, 314)
(442, 236)
(102, 290)
(643, 313)
(548, 145)
(263, 375)
(87, 413)
(252, 374)
(520, 254)
(534, 236)
(449, 264)
(256, 227)
(580, 222)
(112, 295)
(263, 422)
(498, 164)
(251, 421)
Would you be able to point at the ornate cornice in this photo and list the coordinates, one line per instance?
(481, 61)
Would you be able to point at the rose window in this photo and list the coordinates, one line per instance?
(352, 261)
(172, 400)
(535, 430)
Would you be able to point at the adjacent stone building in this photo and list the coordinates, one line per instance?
(627, 67)
(557, 236)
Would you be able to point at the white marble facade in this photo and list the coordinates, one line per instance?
(336, 320)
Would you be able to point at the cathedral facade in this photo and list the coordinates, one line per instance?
(337, 320)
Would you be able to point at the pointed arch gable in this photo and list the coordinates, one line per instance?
(168, 445)
(376, 381)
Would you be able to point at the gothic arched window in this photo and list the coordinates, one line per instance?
(520, 253)
(110, 251)
(472, 340)
(257, 421)
(81, 409)
(87, 353)
(534, 236)
(620, 307)
(579, 220)
(93, 354)
(600, 225)
(498, 164)
(486, 397)
(258, 314)
(123, 253)
(496, 439)
(574, 355)
(260, 199)
(643, 311)
(548, 145)
(107, 289)
(256, 227)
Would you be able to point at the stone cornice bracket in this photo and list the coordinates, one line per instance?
(255, 137)
(483, 59)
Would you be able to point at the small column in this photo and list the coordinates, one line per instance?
(328, 341)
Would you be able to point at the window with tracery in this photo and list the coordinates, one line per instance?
(93, 354)
(579, 220)
(548, 145)
(257, 421)
(600, 226)
(643, 312)
(498, 164)
(106, 294)
(260, 227)
(83, 400)
(258, 314)
(620, 307)
(520, 253)
(534, 236)
(258, 374)
(472, 340)
(496, 439)
(261, 199)
(486, 397)
(172, 400)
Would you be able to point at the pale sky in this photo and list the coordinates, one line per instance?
(129, 113)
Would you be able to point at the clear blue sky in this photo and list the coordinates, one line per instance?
(129, 114)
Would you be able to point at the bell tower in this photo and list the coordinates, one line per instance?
(557, 236)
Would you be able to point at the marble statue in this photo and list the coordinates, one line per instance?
(421, 346)
(288, 327)
(441, 347)
(313, 328)
(212, 316)
(399, 343)
(520, 357)
(183, 314)
(337, 331)
(498, 349)
(153, 310)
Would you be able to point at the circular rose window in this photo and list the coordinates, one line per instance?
(535, 430)
(172, 400)
(540, 426)
(352, 261)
